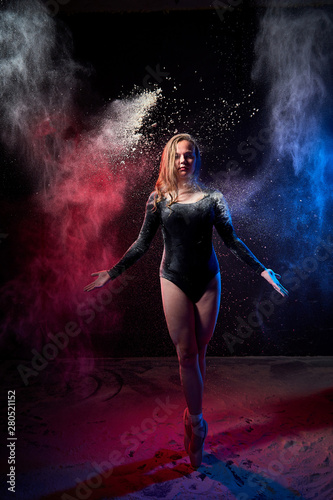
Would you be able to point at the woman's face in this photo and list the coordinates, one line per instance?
(185, 160)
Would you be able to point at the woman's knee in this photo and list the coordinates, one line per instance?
(202, 349)
(187, 356)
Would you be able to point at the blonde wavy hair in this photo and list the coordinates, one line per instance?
(166, 184)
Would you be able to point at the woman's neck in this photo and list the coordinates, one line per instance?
(188, 186)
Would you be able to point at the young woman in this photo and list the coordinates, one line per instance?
(189, 271)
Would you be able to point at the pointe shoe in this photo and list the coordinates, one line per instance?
(187, 430)
(197, 444)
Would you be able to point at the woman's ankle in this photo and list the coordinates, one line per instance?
(196, 420)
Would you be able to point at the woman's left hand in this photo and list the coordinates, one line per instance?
(271, 277)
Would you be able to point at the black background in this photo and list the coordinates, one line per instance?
(207, 59)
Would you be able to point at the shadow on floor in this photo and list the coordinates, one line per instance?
(157, 475)
(284, 419)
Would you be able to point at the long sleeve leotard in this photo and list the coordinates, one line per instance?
(189, 259)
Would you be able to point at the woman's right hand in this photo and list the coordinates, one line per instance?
(103, 278)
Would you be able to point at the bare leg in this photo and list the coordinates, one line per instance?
(202, 362)
(180, 318)
(206, 312)
(191, 327)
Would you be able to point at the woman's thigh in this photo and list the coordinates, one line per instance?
(191, 326)
(206, 312)
(179, 314)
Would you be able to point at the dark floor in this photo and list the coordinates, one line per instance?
(112, 428)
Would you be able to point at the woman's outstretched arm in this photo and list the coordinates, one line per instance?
(226, 231)
(135, 252)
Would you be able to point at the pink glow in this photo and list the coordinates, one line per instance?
(79, 167)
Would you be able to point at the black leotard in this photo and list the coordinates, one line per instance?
(189, 259)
